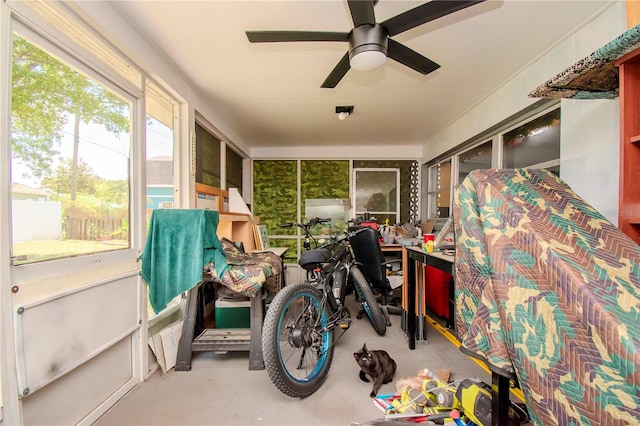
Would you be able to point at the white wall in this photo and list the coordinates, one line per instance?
(589, 128)
(590, 152)
(409, 152)
(36, 220)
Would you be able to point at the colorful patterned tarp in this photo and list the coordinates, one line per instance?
(548, 291)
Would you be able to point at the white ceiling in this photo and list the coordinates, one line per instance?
(270, 94)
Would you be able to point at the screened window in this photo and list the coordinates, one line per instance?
(534, 144)
(233, 170)
(160, 185)
(377, 193)
(207, 157)
(531, 141)
(478, 157)
(324, 192)
(275, 201)
(294, 190)
(408, 187)
(439, 190)
(70, 151)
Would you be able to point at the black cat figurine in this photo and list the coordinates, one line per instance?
(376, 364)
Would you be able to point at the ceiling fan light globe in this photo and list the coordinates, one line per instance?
(368, 60)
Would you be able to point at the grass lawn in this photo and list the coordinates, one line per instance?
(34, 251)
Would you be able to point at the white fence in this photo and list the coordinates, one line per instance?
(36, 220)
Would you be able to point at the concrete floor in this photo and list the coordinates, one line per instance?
(221, 390)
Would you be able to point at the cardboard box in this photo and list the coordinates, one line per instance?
(233, 314)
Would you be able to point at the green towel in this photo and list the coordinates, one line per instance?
(180, 243)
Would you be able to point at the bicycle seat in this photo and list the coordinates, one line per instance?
(311, 259)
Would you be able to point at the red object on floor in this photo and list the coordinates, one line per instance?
(437, 291)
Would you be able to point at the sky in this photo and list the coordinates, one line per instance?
(107, 154)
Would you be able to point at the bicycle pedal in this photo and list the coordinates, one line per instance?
(344, 323)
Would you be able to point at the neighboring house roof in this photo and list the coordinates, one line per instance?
(19, 188)
(160, 171)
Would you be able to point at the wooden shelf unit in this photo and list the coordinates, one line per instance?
(629, 203)
(237, 227)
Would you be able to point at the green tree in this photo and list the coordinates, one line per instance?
(46, 93)
(113, 191)
(59, 181)
(38, 105)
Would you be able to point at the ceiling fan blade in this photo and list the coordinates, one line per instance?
(411, 58)
(337, 73)
(362, 12)
(425, 13)
(278, 36)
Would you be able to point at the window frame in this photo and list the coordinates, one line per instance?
(40, 270)
(530, 118)
(178, 302)
(228, 147)
(354, 175)
(458, 155)
(175, 142)
(495, 135)
(433, 193)
(207, 128)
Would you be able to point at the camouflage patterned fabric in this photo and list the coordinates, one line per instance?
(249, 272)
(547, 290)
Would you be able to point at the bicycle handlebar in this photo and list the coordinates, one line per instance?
(316, 221)
(312, 222)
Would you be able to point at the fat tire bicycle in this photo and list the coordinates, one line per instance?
(298, 332)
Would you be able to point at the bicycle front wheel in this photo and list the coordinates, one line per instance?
(367, 299)
(297, 345)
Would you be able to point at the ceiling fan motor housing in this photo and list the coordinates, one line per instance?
(366, 38)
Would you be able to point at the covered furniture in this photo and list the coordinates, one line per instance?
(249, 273)
(548, 293)
(183, 254)
(180, 243)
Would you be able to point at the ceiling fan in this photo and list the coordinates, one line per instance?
(370, 43)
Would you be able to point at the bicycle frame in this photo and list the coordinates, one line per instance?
(331, 278)
(298, 338)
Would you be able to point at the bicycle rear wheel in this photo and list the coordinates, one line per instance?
(296, 344)
(367, 299)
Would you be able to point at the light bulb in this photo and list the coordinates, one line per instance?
(342, 115)
(368, 60)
